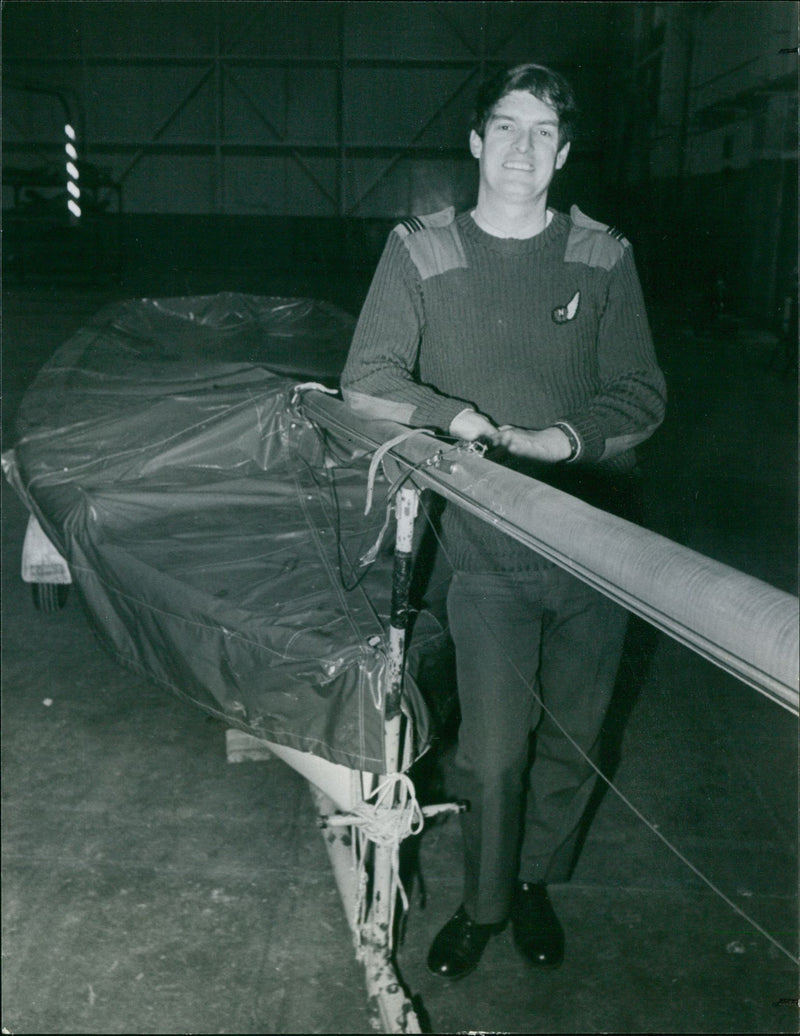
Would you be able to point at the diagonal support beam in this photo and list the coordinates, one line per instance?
(405, 150)
(162, 129)
(444, 16)
(254, 17)
(480, 68)
(273, 129)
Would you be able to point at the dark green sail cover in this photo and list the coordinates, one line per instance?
(212, 532)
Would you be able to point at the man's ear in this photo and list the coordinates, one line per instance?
(475, 144)
(561, 157)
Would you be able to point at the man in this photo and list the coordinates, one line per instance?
(525, 328)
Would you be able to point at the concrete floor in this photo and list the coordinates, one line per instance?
(149, 886)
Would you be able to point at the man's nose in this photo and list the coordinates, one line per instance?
(523, 141)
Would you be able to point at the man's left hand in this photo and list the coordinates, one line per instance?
(550, 445)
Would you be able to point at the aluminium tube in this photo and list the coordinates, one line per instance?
(739, 623)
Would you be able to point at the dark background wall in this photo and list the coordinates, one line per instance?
(282, 134)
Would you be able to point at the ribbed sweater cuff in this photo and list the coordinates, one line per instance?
(592, 439)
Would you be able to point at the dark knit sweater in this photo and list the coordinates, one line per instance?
(528, 332)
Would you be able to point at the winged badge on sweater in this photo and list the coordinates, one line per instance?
(561, 314)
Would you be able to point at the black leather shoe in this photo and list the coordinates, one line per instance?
(538, 934)
(458, 947)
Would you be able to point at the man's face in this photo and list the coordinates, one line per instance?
(519, 151)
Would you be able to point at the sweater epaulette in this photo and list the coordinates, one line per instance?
(414, 224)
(433, 242)
(592, 242)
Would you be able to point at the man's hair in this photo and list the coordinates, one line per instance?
(545, 84)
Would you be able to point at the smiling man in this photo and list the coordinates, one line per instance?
(525, 328)
(518, 153)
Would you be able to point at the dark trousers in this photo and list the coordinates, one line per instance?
(548, 631)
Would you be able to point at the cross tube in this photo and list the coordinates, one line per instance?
(741, 624)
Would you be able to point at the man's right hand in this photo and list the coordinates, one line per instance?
(471, 425)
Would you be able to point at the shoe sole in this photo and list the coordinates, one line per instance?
(535, 964)
(453, 978)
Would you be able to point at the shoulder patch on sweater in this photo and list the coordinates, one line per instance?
(433, 242)
(414, 224)
(593, 243)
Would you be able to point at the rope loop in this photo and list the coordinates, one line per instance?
(394, 812)
(378, 456)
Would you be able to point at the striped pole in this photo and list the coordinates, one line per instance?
(73, 175)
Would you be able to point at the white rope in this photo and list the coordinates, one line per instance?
(395, 813)
(378, 456)
(388, 815)
(370, 555)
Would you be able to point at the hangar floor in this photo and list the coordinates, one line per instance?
(149, 886)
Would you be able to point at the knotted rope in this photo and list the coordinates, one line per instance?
(387, 816)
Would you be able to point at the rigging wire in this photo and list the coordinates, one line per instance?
(606, 780)
(617, 791)
(330, 480)
(371, 555)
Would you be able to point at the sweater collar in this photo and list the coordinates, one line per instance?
(512, 246)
